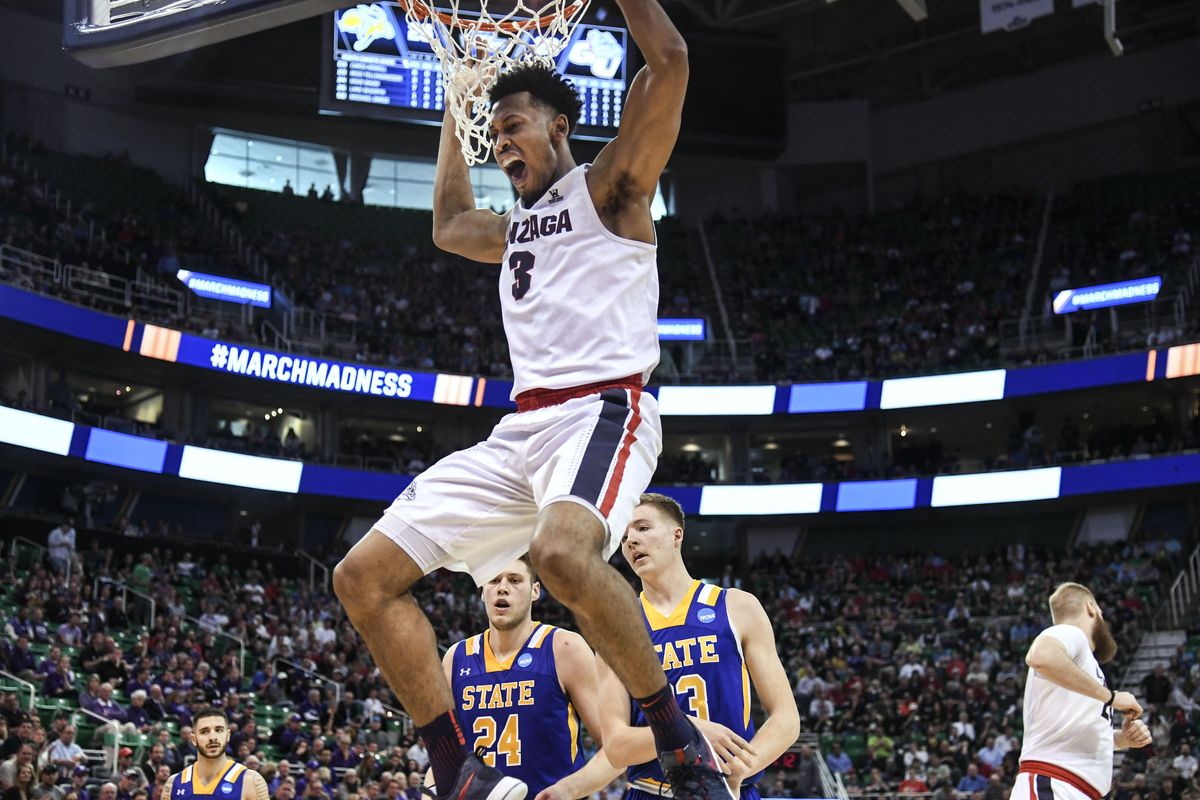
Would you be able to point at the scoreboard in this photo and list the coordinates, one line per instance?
(377, 65)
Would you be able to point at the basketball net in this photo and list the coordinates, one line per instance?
(475, 47)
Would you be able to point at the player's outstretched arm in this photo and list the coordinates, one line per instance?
(459, 227)
(1050, 658)
(632, 162)
(770, 680)
(585, 782)
(623, 743)
(626, 744)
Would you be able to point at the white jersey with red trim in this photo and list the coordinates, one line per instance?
(580, 303)
(1066, 729)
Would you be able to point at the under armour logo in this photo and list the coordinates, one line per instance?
(180, 792)
(464, 672)
(555, 197)
(410, 493)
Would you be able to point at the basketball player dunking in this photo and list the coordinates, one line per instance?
(579, 295)
(214, 775)
(1069, 737)
(521, 687)
(714, 644)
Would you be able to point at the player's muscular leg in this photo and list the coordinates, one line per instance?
(373, 582)
(566, 553)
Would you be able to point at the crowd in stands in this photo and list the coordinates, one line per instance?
(908, 668)
(911, 669)
(920, 289)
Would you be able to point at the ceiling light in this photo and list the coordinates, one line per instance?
(691, 447)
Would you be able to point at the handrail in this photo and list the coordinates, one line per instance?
(393, 711)
(45, 552)
(717, 293)
(30, 542)
(337, 687)
(126, 590)
(1185, 587)
(30, 686)
(113, 752)
(315, 565)
(1031, 292)
(241, 643)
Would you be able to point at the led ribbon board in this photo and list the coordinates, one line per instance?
(682, 330)
(50, 435)
(231, 290)
(1122, 293)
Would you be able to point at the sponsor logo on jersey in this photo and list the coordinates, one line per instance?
(706, 615)
(226, 788)
(525, 660)
(556, 197)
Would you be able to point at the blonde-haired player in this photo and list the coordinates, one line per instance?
(1069, 737)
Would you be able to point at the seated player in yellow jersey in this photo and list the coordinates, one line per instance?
(714, 644)
(521, 687)
(214, 774)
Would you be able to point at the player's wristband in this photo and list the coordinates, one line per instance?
(1112, 695)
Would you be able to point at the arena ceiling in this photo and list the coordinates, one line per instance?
(875, 49)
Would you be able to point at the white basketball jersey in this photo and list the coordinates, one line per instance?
(1065, 728)
(580, 303)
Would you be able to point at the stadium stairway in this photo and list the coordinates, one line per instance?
(1156, 647)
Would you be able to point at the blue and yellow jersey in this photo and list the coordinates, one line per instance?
(701, 653)
(227, 786)
(516, 709)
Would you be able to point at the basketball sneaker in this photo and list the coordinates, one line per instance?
(694, 772)
(478, 781)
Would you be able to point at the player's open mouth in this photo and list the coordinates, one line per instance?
(637, 557)
(516, 171)
(501, 604)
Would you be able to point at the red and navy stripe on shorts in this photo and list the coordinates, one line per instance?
(1040, 774)
(603, 466)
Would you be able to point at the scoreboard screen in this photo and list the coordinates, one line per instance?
(379, 66)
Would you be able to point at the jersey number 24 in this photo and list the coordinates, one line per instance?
(509, 745)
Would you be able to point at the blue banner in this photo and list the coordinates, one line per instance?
(231, 290)
(1122, 293)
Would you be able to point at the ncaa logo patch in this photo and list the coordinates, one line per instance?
(226, 788)
(706, 615)
(525, 660)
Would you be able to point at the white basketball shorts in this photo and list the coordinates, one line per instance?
(1034, 786)
(475, 510)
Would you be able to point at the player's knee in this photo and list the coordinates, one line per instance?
(563, 550)
(354, 585)
(558, 566)
(344, 582)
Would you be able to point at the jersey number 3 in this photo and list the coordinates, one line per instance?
(509, 744)
(521, 264)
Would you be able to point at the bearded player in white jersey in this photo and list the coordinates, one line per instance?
(560, 478)
(1069, 735)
